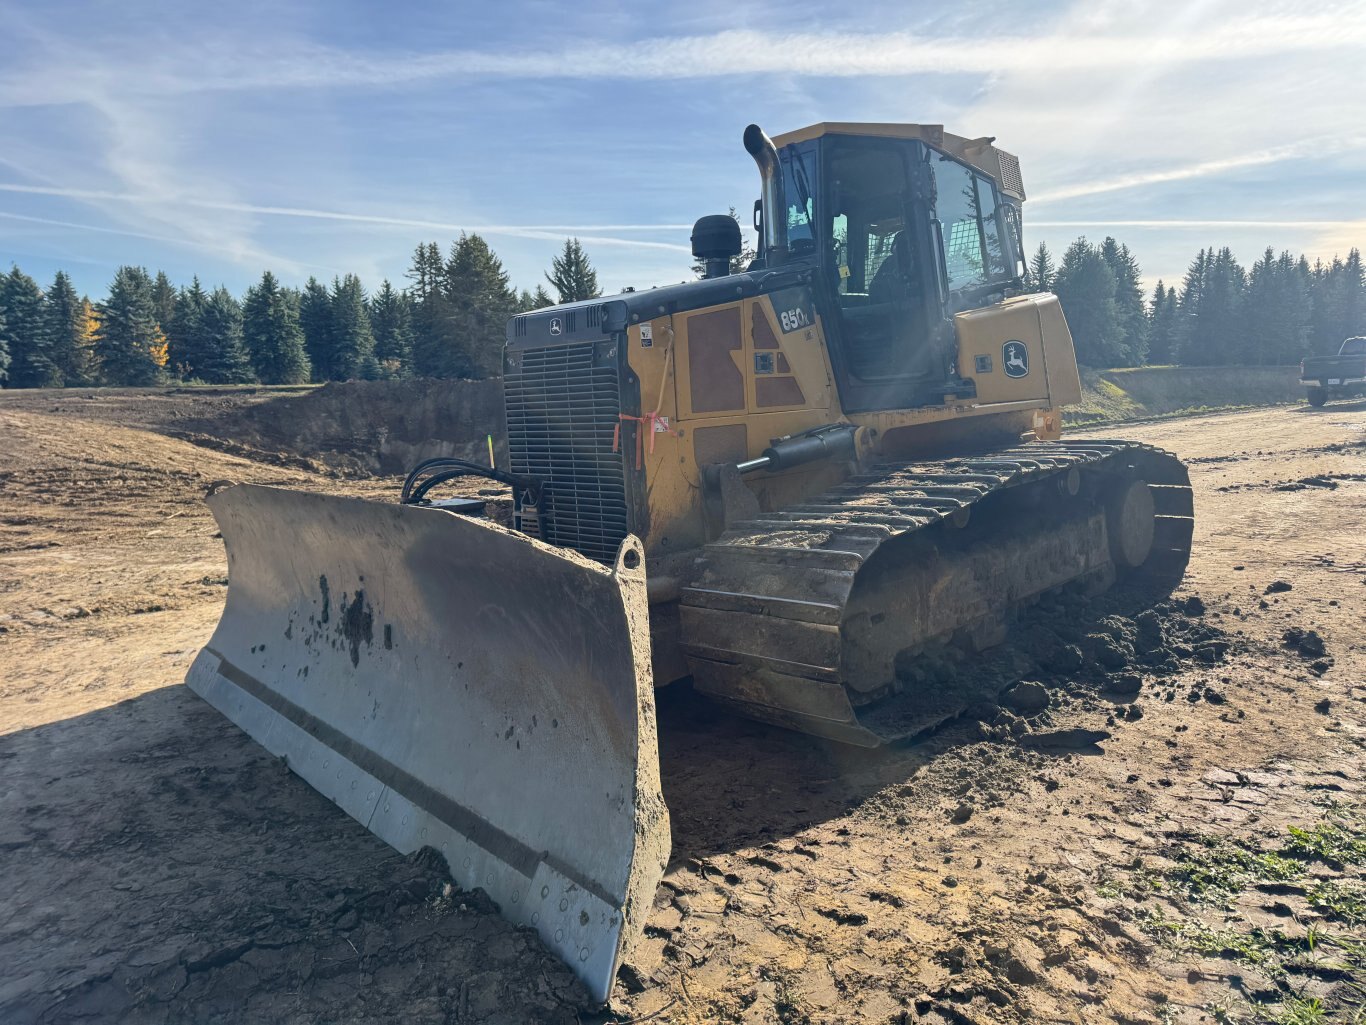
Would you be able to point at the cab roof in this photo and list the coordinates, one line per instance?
(980, 153)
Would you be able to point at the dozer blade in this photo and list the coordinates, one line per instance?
(455, 685)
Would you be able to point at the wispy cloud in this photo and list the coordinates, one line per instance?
(170, 240)
(1318, 147)
(239, 65)
(51, 222)
(553, 232)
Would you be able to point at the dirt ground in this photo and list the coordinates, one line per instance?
(1203, 862)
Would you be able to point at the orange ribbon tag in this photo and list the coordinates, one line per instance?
(647, 426)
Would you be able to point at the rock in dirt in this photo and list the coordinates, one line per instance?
(1026, 698)
(1324, 707)
(1193, 606)
(1278, 587)
(962, 813)
(1064, 740)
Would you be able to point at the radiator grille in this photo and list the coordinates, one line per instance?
(562, 409)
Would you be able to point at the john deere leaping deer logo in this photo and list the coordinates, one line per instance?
(556, 325)
(1015, 358)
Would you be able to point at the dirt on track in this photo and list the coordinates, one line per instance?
(159, 866)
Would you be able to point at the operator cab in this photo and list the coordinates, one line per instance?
(902, 226)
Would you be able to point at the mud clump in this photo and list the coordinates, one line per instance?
(1126, 683)
(1307, 642)
(1110, 651)
(1027, 698)
(1084, 653)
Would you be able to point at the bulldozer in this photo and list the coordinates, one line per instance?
(786, 482)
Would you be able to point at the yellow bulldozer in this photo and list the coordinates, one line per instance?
(787, 483)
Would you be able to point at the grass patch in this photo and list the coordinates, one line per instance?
(1297, 1011)
(1169, 899)
(1262, 948)
(1218, 869)
(1334, 842)
(1345, 901)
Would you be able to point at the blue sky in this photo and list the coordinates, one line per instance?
(317, 138)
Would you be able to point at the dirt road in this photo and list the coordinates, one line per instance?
(160, 867)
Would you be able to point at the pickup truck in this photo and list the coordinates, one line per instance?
(1336, 377)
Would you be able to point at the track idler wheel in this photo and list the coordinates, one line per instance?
(1130, 519)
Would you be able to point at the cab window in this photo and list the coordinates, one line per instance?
(799, 184)
(975, 253)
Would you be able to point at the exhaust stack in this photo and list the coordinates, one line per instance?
(765, 155)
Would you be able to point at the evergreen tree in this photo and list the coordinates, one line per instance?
(1188, 304)
(573, 275)
(65, 313)
(270, 327)
(433, 324)
(32, 360)
(189, 350)
(1130, 313)
(1276, 313)
(480, 302)
(129, 343)
(164, 299)
(353, 340)
(1351, 299)
(1323, 281)
(1085, 285)
(315, 319)
(225, 356)
(537, 300)
(1162, 326)
(1041, 270)
(391, 319)
(1212, 326)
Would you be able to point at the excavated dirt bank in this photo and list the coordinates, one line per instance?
(1160, 822)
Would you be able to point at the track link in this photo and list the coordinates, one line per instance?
(794, 617)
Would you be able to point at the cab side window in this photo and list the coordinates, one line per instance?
(966, 210)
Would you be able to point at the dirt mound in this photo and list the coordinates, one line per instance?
(361, 427)
(1141, 392)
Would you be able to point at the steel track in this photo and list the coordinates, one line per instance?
(767, 624)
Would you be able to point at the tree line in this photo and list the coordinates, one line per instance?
(450, 319)
(1283, 309)
(449, 322)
